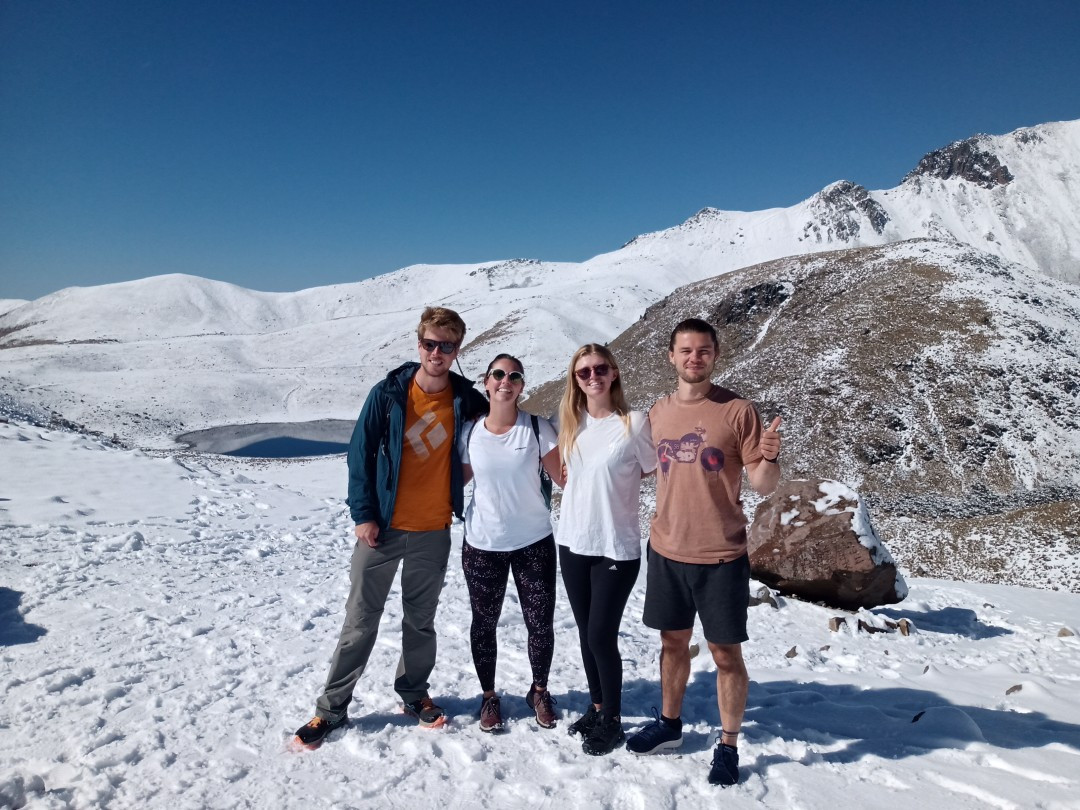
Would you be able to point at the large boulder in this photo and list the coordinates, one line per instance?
(813, 540)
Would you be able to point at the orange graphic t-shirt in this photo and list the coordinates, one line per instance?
(423, 490)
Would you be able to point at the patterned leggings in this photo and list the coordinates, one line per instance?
(534, 576)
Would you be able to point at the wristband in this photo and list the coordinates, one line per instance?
(771, 460)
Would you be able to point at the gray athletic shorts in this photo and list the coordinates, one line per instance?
(717, 592)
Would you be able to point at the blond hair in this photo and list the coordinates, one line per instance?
(572, 404)
(441, 318)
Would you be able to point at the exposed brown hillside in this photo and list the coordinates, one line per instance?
(939, 381)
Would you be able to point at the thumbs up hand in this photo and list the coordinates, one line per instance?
(770, 441)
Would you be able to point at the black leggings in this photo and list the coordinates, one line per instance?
(534, 575)
(598, 588)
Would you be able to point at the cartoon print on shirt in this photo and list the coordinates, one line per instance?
(686, 451)
(712, 459)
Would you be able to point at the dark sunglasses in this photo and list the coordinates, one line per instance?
(444, 346)
(600, 370)
(515, 376)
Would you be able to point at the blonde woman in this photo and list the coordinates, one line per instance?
(606, 449)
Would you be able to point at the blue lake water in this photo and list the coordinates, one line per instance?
(288, 447)
(325, 437)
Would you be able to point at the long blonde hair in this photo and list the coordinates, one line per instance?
(572, 404)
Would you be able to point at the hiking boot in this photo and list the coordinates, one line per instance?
(725, 766)
(312, 733)
(605, 737)
(656, 736)
(584, 724)
(541, 701)
(491, 715)
(426, 712)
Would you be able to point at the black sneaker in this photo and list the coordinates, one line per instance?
(312, 733)
(584, 724)
(657, 736)
(605, 737)
(725, 766)
(426, 712)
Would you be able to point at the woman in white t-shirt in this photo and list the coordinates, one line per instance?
(508, 528)
(607, 449)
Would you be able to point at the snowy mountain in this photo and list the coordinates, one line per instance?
(166, 617)
(152, 358)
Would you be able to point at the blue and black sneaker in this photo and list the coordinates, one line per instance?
(659, 735)
(725, 766)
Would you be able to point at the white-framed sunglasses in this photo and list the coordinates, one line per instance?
(498, 374)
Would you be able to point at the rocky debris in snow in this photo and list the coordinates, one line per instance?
(763, 597)
(866, 627)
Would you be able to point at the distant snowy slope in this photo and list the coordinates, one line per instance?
(152, 358)
(8, 304)
(1016, 196)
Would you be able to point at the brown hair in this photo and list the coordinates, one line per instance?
(441, 318)
(572, 404)
(505, 356)
(694, 325)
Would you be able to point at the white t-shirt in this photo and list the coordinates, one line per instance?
(599, 513)
(507, 510)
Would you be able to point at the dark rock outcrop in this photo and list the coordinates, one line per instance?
(839, 211)
(742, 306)
(812, 539)
(963, 159)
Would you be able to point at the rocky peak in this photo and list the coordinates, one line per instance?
(966, 160)
(839, 210)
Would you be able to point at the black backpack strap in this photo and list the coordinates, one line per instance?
(545, 479)
(469, 432)
(536, 433)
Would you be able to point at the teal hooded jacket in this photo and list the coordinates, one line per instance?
(378, 438)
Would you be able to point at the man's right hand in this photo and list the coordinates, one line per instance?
(367, 533)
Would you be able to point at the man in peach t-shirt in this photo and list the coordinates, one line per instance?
(705, 436)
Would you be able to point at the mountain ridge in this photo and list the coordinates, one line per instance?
(139, 358)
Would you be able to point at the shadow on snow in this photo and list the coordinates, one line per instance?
(852, 721)
(957, 621)
(13, 629)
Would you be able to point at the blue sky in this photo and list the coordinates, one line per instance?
(284, 145)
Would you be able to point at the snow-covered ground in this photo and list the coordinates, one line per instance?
(160, 643)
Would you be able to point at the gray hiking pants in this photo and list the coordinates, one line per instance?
(423, 557)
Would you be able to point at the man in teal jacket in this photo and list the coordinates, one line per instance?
(405, 483)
